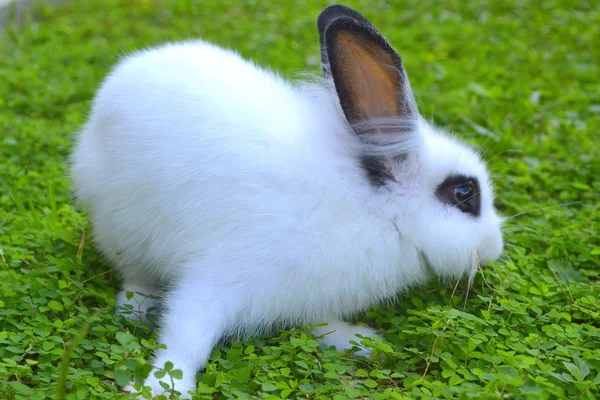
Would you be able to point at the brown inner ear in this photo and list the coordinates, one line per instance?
(370, 77)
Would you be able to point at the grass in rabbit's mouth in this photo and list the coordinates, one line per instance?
(519, 79)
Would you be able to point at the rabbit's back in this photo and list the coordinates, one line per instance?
(190, 148)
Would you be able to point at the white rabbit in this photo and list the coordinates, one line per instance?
(247, 201)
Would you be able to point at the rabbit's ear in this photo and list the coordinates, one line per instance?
(368, 74)
(325, 19)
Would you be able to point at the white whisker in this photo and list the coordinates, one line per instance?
(514, 123)
(518, 228)
(507, 151)
(456, 286)
(516, 248)
(504, 169)
(473, 272)
(543, 208)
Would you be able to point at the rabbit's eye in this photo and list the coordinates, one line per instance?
(462, 192)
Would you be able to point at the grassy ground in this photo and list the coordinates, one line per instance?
(518, 78)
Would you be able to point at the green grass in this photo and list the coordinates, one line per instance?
(517, 77)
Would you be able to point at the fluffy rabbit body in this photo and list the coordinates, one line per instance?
(247, 201)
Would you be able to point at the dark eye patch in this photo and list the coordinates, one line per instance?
(463, 192)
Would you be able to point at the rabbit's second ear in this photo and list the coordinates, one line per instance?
(368, 74)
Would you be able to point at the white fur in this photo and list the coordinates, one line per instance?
(243, 195)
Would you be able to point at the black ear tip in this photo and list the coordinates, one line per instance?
(358, 29)
(334, 11)
(351, 25)
(343, 24)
